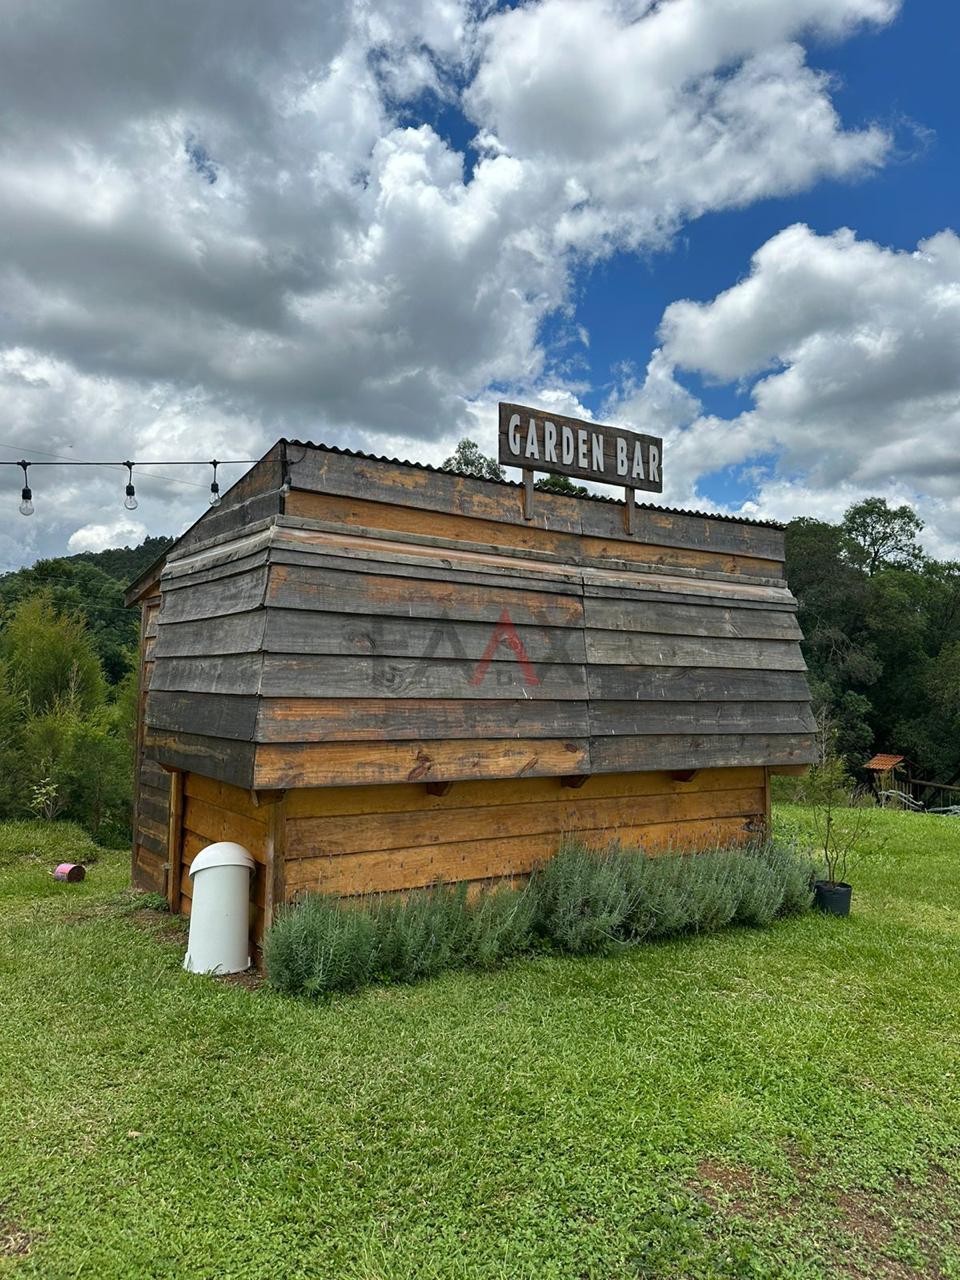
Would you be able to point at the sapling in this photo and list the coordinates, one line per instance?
(839, 822)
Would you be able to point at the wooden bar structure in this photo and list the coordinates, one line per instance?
(376, 675)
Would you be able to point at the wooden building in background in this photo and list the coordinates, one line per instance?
(377, 675)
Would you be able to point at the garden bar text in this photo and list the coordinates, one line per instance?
(587, 450)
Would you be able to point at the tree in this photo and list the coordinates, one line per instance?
(561, 484)
(50, 657)
(878, 535)
(469, 460)
(78, 586)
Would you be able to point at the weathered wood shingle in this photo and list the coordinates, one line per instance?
(395, 624)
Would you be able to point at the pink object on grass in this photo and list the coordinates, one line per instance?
(70, 871)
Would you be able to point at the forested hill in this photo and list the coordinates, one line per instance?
(126, 563)
(92, 585)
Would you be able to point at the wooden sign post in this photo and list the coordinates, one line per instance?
(534, 441)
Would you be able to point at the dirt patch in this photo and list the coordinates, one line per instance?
(900, 1234)
(14, 1241)
(726, 1188)
(250, 979)
(161, 926)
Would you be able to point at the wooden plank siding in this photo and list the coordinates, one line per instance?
(438, 666)
(316, 470)
(151, 785)
(354, 840)
(350, 621)
(302, 656)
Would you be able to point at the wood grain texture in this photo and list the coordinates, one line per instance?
(622, 648)
(330, 764)
(224, 796)
(147, 872)
(329, 836)
(694, 684)
(725, 717)
(397, 799)
(227, 673)
(218, 716)
(221, 758)
(231, 634)
(215, 824)
(174, 838)
(275, 877)
(433, 677)
(236, 593)
(699, 751)
(446, 635)
(294, 536)
(321, 590)
(399, 869)
(690, 619)
(383, 482)
(360, 512)
(150, 817)
(398, 719)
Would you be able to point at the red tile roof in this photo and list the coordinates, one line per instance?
(881, 763)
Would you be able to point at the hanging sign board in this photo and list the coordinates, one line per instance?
(537, 441)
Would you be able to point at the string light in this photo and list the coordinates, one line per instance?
(130, 492)
(130, 501)
(26, 493)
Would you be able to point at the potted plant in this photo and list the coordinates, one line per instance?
(840, 828)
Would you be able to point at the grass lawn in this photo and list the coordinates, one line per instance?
(783, 1103)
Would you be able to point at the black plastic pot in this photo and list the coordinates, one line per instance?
(834, 899)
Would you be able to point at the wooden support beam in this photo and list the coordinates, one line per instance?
(574, 780)
(527, 494)
(630, 509)
(175, 840)
(437, 788)
(275, 870)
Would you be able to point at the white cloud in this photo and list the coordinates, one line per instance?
(98, 537)
(850, 352)
(229, 221)
(646, 116)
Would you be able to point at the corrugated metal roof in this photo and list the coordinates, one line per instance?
(517, 484)
(881, 763)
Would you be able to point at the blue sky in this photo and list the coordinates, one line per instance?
(905, 77)
(224, 223)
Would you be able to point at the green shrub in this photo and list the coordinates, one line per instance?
(658, 895)
(500, 923)
(582, 899)
(797, 872)
(322, 944)
(761, 892)
(421, 933)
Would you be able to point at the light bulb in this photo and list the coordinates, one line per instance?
(130, 501)
(26, 503)
(214, 495)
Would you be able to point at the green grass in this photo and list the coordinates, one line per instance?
(781, 1102)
